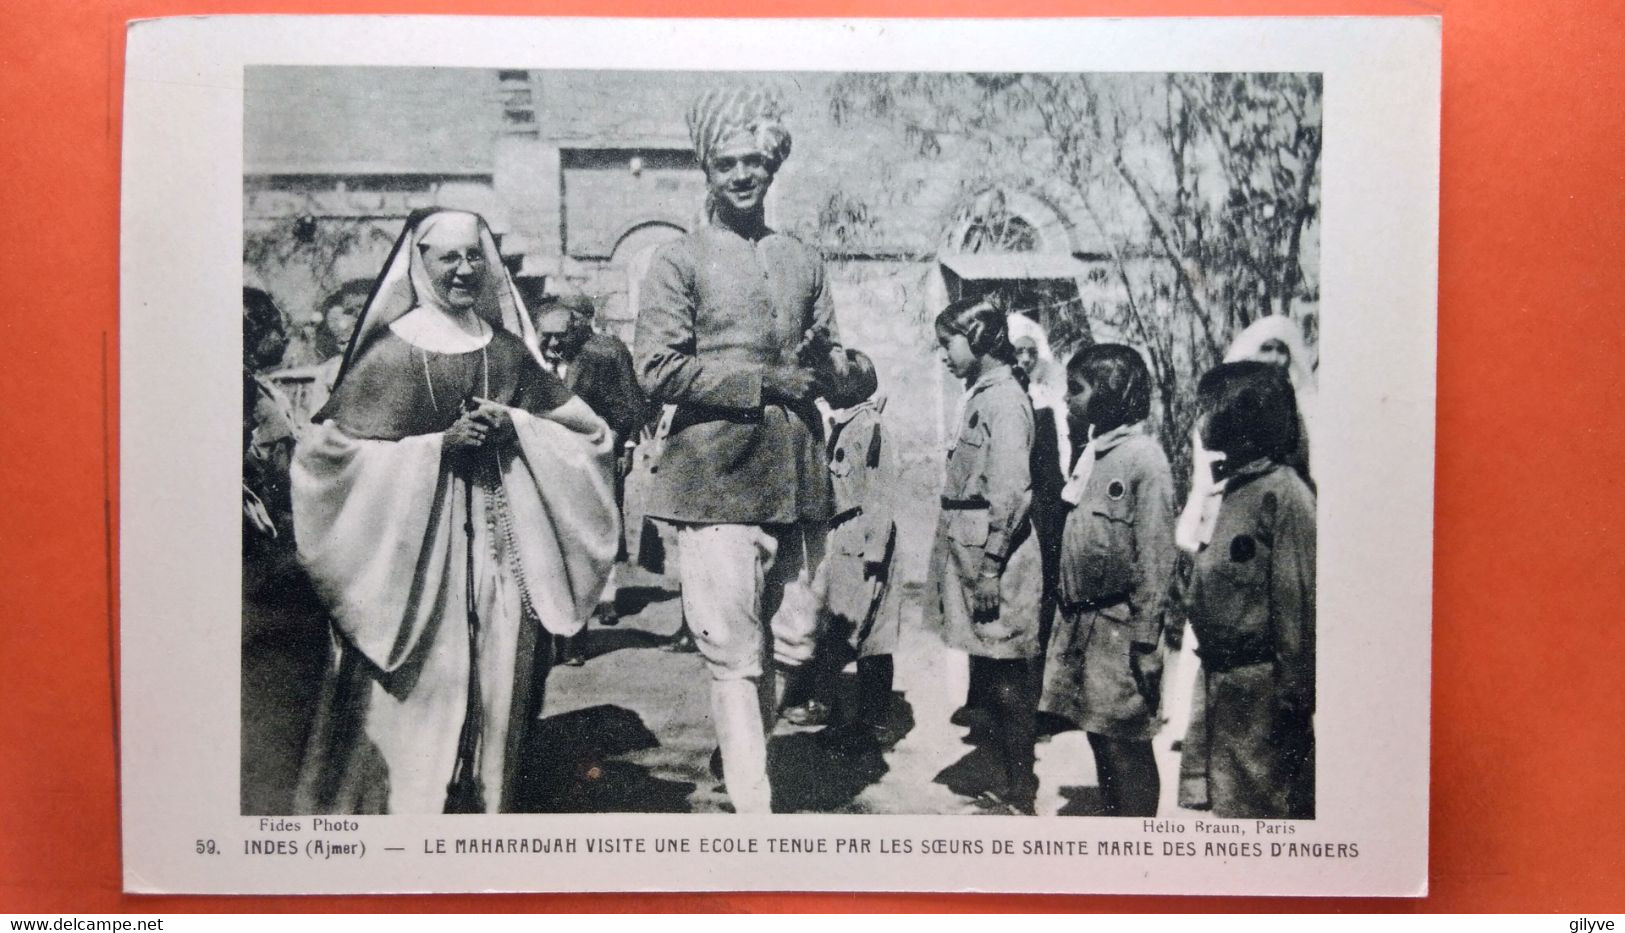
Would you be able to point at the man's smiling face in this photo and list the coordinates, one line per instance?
(739, 174)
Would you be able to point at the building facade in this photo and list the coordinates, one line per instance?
(583, 174)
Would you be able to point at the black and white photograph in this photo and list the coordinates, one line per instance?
(653, 463)
(864, 443)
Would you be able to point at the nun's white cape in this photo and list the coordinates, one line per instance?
(380, 525)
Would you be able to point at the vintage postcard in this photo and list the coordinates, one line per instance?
(795, 455)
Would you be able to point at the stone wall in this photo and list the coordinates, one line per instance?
(885, 309)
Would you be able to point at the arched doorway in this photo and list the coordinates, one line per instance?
(1016, 248)
(630, 260)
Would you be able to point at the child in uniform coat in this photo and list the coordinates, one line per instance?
(986, 575)
(1252, 602)
(1104, 669)
(852, 580)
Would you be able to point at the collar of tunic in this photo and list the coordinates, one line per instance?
(1105, 442)
(1000, 373)
(839, 416)
(1247, 472)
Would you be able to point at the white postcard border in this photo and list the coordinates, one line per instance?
(180, 417)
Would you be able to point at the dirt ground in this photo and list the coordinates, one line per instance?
(630, 731)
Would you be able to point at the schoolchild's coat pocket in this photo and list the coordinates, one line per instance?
(840, 466)
(968, 527)
(1105, 552)
(1244, 564)
(1115, 506)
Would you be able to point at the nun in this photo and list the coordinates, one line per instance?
(453, 504)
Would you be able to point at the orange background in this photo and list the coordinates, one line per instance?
(1528, 808)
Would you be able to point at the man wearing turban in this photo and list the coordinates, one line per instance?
(736, 337)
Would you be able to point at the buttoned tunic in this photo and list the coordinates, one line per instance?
(853, 579)
(1117, 556)
(714, 312)
(987, 503)
(1252, 606)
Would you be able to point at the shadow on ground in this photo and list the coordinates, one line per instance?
(811, 774)
(631, 600)
(572, 766)
(982, 768)
(1082, 801)
(602, 641)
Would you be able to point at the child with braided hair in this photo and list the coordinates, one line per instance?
(985, 567)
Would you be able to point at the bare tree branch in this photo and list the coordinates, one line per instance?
(1182, 275)
(1289, 288)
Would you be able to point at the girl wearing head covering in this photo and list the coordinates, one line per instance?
(1252, 604)
(985, 567)
(1045, 379)
(453, 505)
(1273, 339)
(1277, 340)
(1046, 382)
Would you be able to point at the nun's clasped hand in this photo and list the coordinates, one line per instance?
(467, 432)
(499, 429)
(489, 425)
